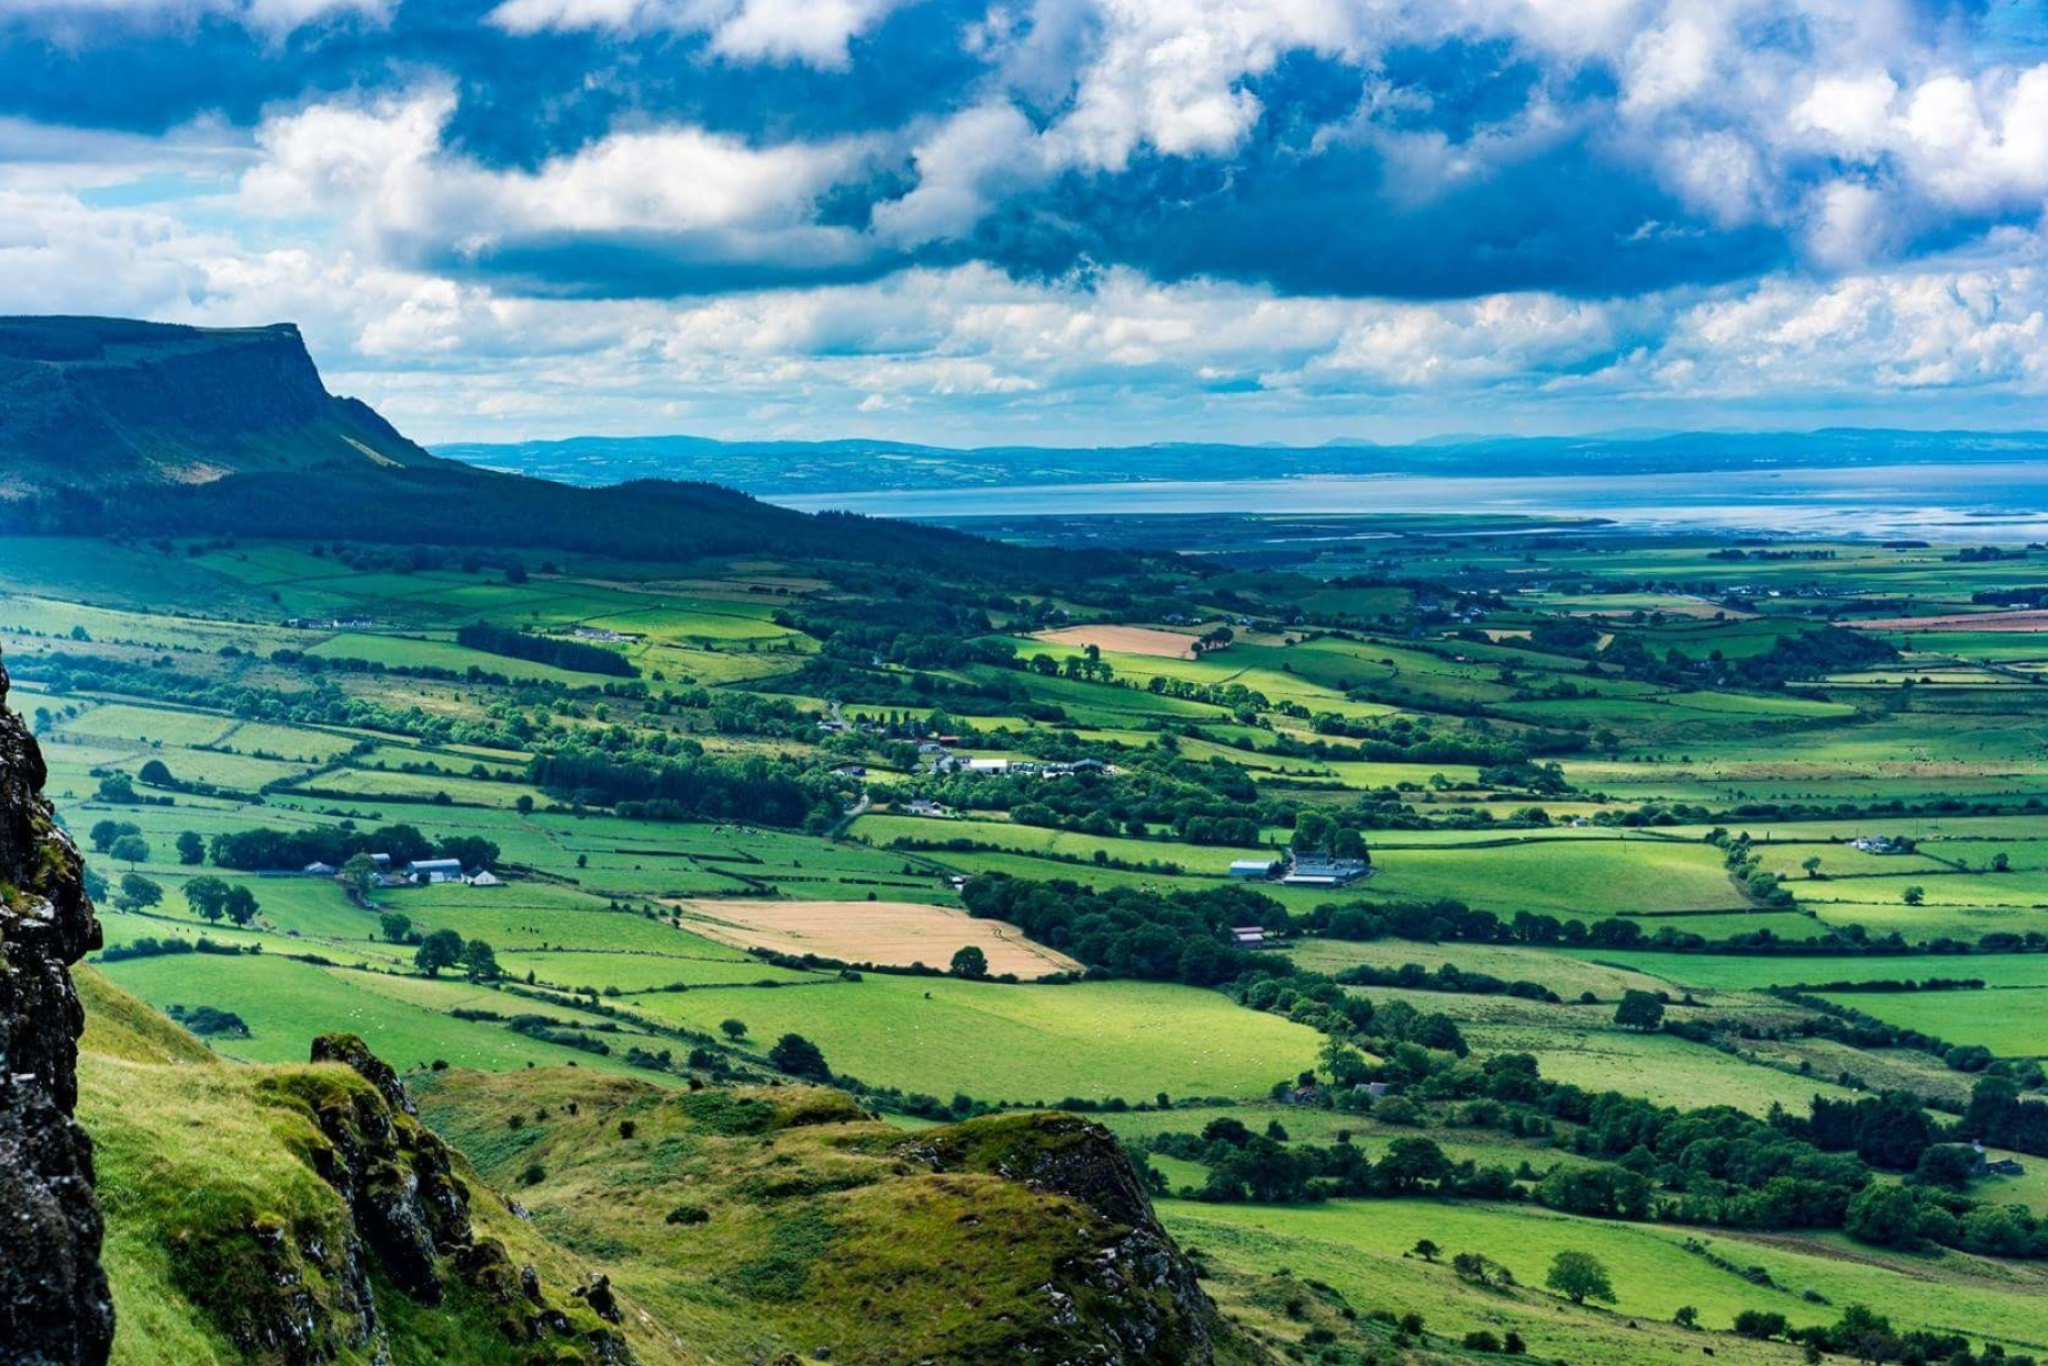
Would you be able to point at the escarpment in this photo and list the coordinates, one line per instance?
(55, 1308)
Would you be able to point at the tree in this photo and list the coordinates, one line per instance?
(1811, 865)
(1760, 1324)
(971, 963)
(799, 1057)
(191, 848)
(1426, 1249)
(2001, 862)
(104, 833)
(130, 849)
(207, 896)
(1914, 895)
(480, 961)
(395, 927)
(360, 873)
(441, 949)
(117, 787)
(137, 890)
(1639, 1010)
(1946, 1164)
(1686, 1317)
(1579, 1276)
(1884, 1214)
(733, 1029)
(240, 904)
(1410, 1163)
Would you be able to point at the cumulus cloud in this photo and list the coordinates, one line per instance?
(813, 32)
(1158, 215)
(382, 167)
(270, 16)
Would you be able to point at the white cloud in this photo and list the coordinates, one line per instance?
(812, 32)
(381, 167)
(973, 160)
(271, 16)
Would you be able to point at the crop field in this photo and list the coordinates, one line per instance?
(899, 933)
(1128, 640)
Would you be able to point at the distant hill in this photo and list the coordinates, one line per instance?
(793, 468)
(102, 403)
(111, 426)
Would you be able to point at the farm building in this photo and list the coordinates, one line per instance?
(319, 870)
(1248, 936)
(1882, 844)
(988, 765)
(435, 870)
(1315, 870)
(486, 878)
(1251, 868)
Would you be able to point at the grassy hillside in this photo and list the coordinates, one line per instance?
(268, 1214)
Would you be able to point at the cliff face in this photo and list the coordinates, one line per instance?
(94, 404)
(55, 1309)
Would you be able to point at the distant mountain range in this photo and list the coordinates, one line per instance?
(794, 468)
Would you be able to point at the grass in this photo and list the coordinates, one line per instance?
(2010, 1021)
(287, 1004)
(1359, 1247)
(1095, 1040)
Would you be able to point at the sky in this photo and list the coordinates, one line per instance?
(1060, 221)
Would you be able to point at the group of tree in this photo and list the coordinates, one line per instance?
(1130, 931)
(445, 949)
(753, 789)
(271, 850)
(213, 898)
(573, 655)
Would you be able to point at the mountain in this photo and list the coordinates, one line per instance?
(115, 427)
(781, 469)
(100, 403)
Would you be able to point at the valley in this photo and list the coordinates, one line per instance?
(1645, 835)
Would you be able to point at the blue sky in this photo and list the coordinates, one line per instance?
(1060, 221)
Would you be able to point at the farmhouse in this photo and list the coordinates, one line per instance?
(2004, 1166)
(435, 870)
(486, 878)
(1882, 844)
(1251, 868)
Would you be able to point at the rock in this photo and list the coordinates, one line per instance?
(55, 1309)
(1143, 1302)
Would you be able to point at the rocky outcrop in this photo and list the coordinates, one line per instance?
(297, 1287)
(55, 1309)
(1134, 1301)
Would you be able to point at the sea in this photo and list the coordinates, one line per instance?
(1988, 502)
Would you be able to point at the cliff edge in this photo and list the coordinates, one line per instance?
(55, 1309)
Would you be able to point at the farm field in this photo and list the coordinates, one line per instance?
(681, 780)
(897, 933)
